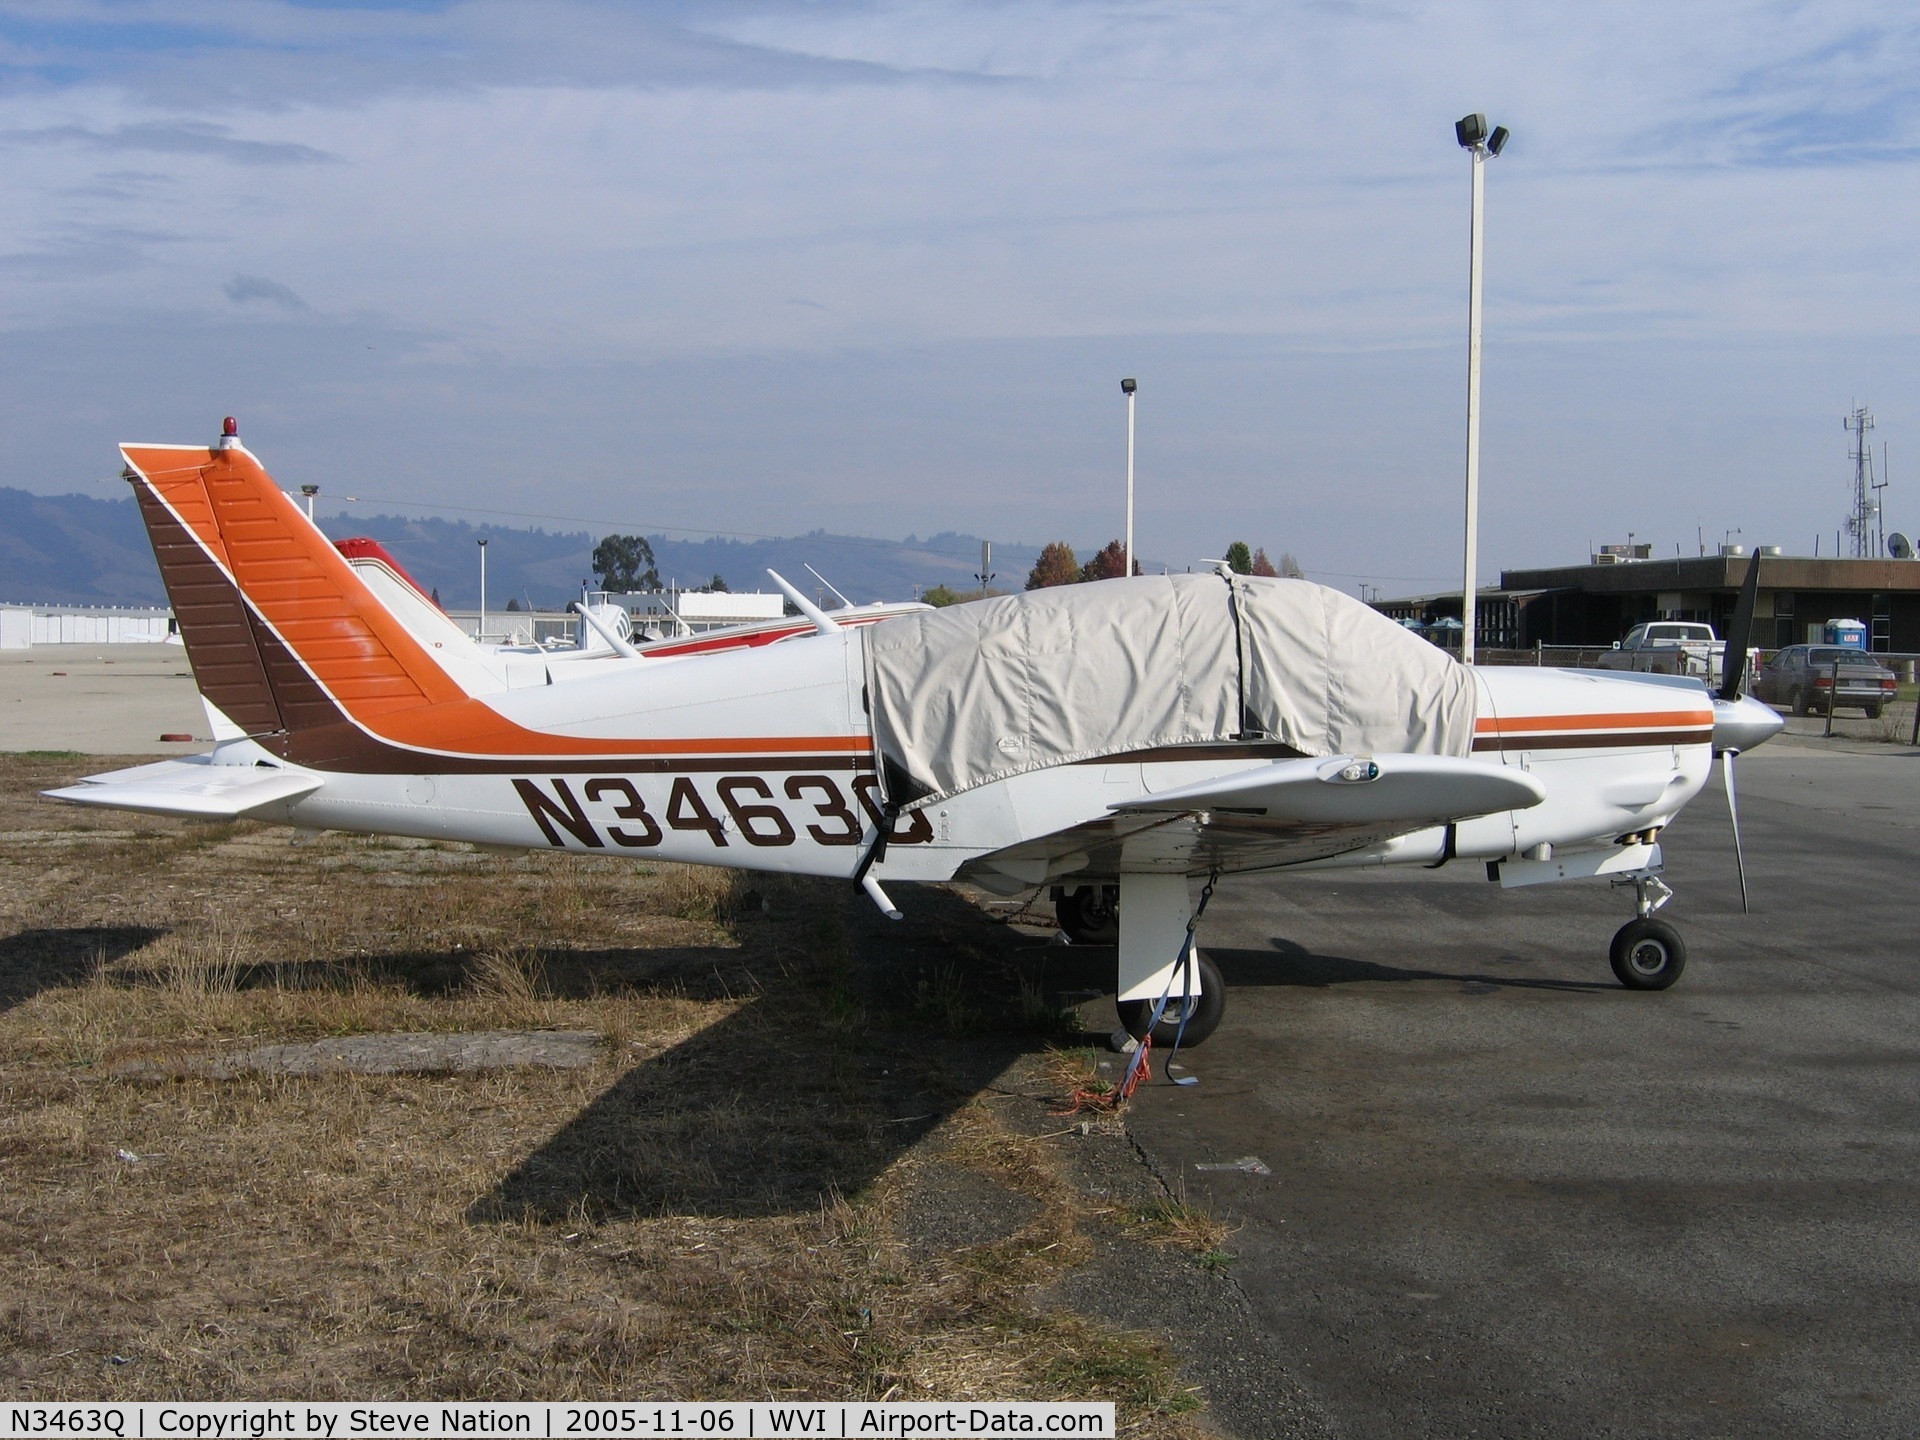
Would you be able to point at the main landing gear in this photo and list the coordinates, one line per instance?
(1202, 1012)
(1160, 924)
(1647, 954)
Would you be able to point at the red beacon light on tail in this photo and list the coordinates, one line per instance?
(229, 434)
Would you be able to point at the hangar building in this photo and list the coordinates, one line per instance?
(1595, 604)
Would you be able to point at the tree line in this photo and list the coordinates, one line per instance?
(1059, 566)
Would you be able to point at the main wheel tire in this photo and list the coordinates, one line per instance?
(1203, 1014)
(1648, 954)
(1797, 700)
(1090, 914)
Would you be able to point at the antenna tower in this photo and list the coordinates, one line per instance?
(1863, 523)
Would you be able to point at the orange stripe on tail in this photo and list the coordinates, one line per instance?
(293, 576)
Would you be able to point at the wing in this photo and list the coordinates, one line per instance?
(1285, 813)
(192, 789)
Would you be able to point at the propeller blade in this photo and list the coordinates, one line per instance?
(1733, 814)
(1733, 660)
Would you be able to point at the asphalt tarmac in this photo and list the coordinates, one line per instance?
(1510, 1198)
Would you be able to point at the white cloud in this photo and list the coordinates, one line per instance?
(1256, 196)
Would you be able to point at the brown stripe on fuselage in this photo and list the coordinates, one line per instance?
(1230, 750)
(1603, 740)
(341, 745)
(347, 748)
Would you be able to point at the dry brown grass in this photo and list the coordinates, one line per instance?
(710, 1211)
(1179, 1222)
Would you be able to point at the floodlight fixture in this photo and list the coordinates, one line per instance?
(1128, 386)
(1480, 144)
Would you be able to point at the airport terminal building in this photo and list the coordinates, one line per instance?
(1595, 604)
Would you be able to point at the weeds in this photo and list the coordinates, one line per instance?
(513, 978)
(1040, 1015)
(940, 999)
(695, 892)
(1074, 1070)
(1177, 1222)
(1130, 1369)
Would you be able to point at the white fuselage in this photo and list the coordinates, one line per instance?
(763, 760)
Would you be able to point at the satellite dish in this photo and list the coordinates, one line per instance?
(1899, 546)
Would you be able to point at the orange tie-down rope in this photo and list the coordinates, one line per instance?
(1107, 1101)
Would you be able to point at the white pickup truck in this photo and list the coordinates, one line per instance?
(1668, 647)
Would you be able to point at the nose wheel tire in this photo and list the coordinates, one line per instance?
(1089, 914)
(1203, 1011)
(1648, 954)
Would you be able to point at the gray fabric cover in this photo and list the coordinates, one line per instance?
(975, 693)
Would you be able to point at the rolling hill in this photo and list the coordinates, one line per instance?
(79, 550)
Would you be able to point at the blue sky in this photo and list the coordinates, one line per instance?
(879, 267)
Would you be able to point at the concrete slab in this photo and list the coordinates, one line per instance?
(100, 700)
(459, 1053)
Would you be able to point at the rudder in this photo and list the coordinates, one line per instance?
(282, 635)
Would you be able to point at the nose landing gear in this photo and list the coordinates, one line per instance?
(1647, 954)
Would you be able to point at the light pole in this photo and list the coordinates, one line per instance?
(985, 574)
(1471, 132)
(480, 631)
(1127, 388)
(309, 491)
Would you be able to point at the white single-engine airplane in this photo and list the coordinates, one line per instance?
(1112, 741)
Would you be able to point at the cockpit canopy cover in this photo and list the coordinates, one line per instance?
(978, 692)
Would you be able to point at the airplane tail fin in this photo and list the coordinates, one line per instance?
(285, 639)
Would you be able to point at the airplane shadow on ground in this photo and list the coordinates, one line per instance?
(1288, 963)
(37, 960)
(560, 972)
(811, 1090)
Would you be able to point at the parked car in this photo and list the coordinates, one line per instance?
(1667, 647)
(1803, 678)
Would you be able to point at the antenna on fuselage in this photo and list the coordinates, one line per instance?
(605, 631)
(828, 583)
(822, 622)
